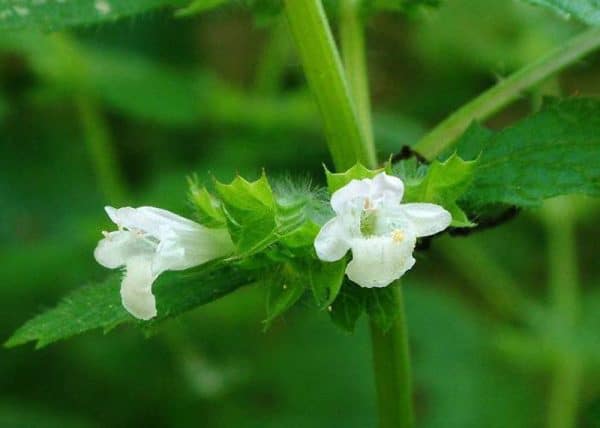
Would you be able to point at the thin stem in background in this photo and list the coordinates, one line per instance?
(323, 68)
(564, 300)
(99, 146)
(495, 286)
(491, 101)
(352, 41)
(274, 59)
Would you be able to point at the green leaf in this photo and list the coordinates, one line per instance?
(55, 15)
(348, 306)
(337, 180)
(586, 10)
(199, 6)
(286, 285)
(250, 211)
(443, 184)
(99, 306)
(553, 152)
(382, 305)
(207, 208)
(325, 280)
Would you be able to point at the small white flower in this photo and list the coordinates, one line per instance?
(150, 241)
(380, 231)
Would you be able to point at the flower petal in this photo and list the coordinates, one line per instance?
(136, 288)
(153, 221)
(190, 249)
(351, 191)
(387, 185)
(117, 247)
(427, 219)
(378, 261)
(330, 243)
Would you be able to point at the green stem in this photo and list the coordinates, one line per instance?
(391, 356)
(99, 145)
(392, 371)
(323, 69)
(352, 38)
(506, 91)
(564, 299)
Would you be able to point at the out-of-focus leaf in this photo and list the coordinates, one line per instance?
(19, 415)
(99, 306)
(455, 368)
(286, 286)
(443, 184)
(199, 6)
(553, 152)
(54, 15)
(586, 10)
(337, 180)
(325, 280)
(146, 90)
(398, 5)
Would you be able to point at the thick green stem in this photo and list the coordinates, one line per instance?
(564, 299)
(99, 146)
(323, 69)
(391, 356)
(350, 139)
(506, 91)
(352, 38)
(392, 371)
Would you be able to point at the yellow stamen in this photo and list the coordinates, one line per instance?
(397, 235)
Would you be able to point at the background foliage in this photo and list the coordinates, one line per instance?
(219, 93)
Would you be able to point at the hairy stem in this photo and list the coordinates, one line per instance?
(506, 91)
(391, 358)
(392, 371)
(325, 75)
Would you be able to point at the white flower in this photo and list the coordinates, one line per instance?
(150, 241)
(380, 231)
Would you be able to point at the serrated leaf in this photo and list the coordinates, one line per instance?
(551, 153)
(383, 306)
(348, 306)
(586, 10)
(337, 180)
(250, 211)
(99, 306)
(325, 280)
(207, 208)
(55, 15)
(443, 184)
(286, 285)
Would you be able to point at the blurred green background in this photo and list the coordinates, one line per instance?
(122, 113)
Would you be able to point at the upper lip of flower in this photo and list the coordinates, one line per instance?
(380, 231)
